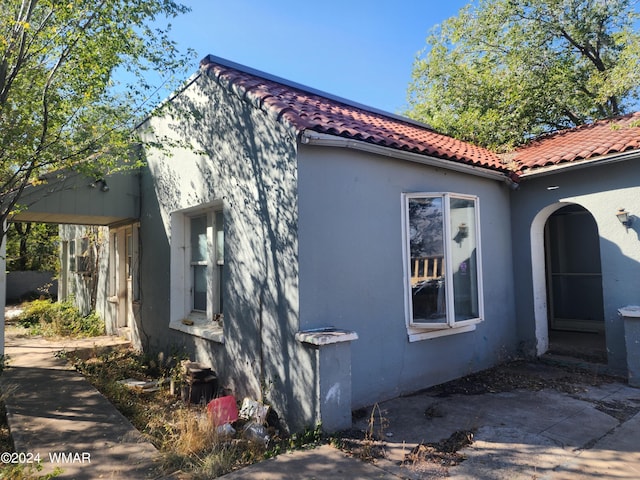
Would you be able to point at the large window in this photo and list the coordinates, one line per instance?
(442, 255)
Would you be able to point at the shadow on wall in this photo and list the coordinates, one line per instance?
(247, 161)
(30, 285)
(620, 288)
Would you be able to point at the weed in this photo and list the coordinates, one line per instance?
(29, 471)
(309, 437)
(367, 445)
(6, 444)
(184, 434)
(375, 433)
(48, 318)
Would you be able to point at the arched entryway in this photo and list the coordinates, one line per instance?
(568, 283)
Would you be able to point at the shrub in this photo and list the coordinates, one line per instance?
(48, 318)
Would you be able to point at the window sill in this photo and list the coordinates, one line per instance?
(201, 327)
(416, 334)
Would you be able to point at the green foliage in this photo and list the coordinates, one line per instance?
(309, 437)
(62, 104)
(32, 246)
(29, 471)
(48, 318)
(503, 71)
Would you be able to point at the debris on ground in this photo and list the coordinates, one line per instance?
(223, 410)
(520, 374)
(618, 410)
(360, 444)
(254, 411)
(256, 432)
(444, 453)
(143, 385)
(432, 460)
(199, 383)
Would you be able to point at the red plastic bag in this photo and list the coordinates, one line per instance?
(223, 410)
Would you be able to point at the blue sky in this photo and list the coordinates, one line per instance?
(357, 49)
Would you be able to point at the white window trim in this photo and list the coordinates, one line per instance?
(117, 277)
(209, 219)
(415, 331)
(182, 317)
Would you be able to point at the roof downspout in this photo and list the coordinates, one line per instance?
(308, 137)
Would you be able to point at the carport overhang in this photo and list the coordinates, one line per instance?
(74, 198)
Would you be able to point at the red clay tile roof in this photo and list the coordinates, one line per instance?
(304, 109)
(585, 142)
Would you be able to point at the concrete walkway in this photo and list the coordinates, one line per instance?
(55, 413)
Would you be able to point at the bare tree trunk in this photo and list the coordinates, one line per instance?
(23, 230)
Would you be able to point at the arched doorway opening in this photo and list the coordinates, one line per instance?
(568, 283)
(574, 285)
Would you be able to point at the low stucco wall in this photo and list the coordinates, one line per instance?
(21, 285)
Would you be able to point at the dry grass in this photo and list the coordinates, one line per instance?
(191, 446)
(6, 444)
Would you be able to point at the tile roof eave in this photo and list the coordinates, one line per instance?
(312, 137)
(578, 164)
(237, 78)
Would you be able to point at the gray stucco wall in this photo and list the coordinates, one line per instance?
(601, 190)
(246, 161)
(351, 269)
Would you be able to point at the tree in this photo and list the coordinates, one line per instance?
(61, 104)
(503, 71)
(32, 246)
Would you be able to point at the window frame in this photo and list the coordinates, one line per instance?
(83, 259)
(194, 264)
(72, 255)
(212, 263)
(424, 330)
(201, 323)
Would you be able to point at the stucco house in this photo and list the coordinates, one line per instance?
(321, 255)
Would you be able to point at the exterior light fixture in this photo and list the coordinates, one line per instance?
(103, 185)
(624, 217)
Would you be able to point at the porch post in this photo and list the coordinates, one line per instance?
(631, 317)
(332, 348)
